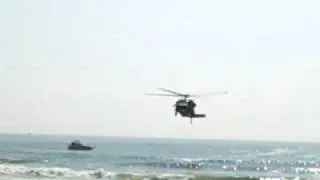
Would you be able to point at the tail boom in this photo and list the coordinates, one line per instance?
(198, 116)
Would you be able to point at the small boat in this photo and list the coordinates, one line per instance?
(77, 145)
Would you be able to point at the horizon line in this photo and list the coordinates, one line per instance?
(159, 137)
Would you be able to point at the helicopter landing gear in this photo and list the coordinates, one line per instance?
(190, 120)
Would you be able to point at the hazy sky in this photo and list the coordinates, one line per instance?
(83, 67)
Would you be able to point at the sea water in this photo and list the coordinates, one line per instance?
(47, 157)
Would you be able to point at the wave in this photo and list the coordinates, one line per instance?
(190, 164)
(253, 165)
(16, 161)
(66, 173)
(178, 162)
(276, 152)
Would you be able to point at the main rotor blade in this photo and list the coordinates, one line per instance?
(173, 92)
(155, 94)
(209, 94)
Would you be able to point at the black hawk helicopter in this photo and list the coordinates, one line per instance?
(184, 106)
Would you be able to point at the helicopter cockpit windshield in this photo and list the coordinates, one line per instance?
(181, 102)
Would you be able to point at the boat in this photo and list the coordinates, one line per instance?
(77, 145)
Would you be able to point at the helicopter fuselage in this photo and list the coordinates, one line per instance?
(186, 108)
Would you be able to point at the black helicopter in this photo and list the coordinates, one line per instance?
(184, 106)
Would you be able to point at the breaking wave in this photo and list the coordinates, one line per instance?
(265, 166)
(57, 172)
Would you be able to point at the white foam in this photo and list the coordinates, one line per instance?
(58, 172)
(277, 151)
(51, 172)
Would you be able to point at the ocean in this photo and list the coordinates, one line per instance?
(27, 157)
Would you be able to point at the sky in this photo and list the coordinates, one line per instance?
(82, 67)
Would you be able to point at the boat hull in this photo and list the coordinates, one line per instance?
(80, 148)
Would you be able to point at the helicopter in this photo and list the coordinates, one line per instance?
(184, 107)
